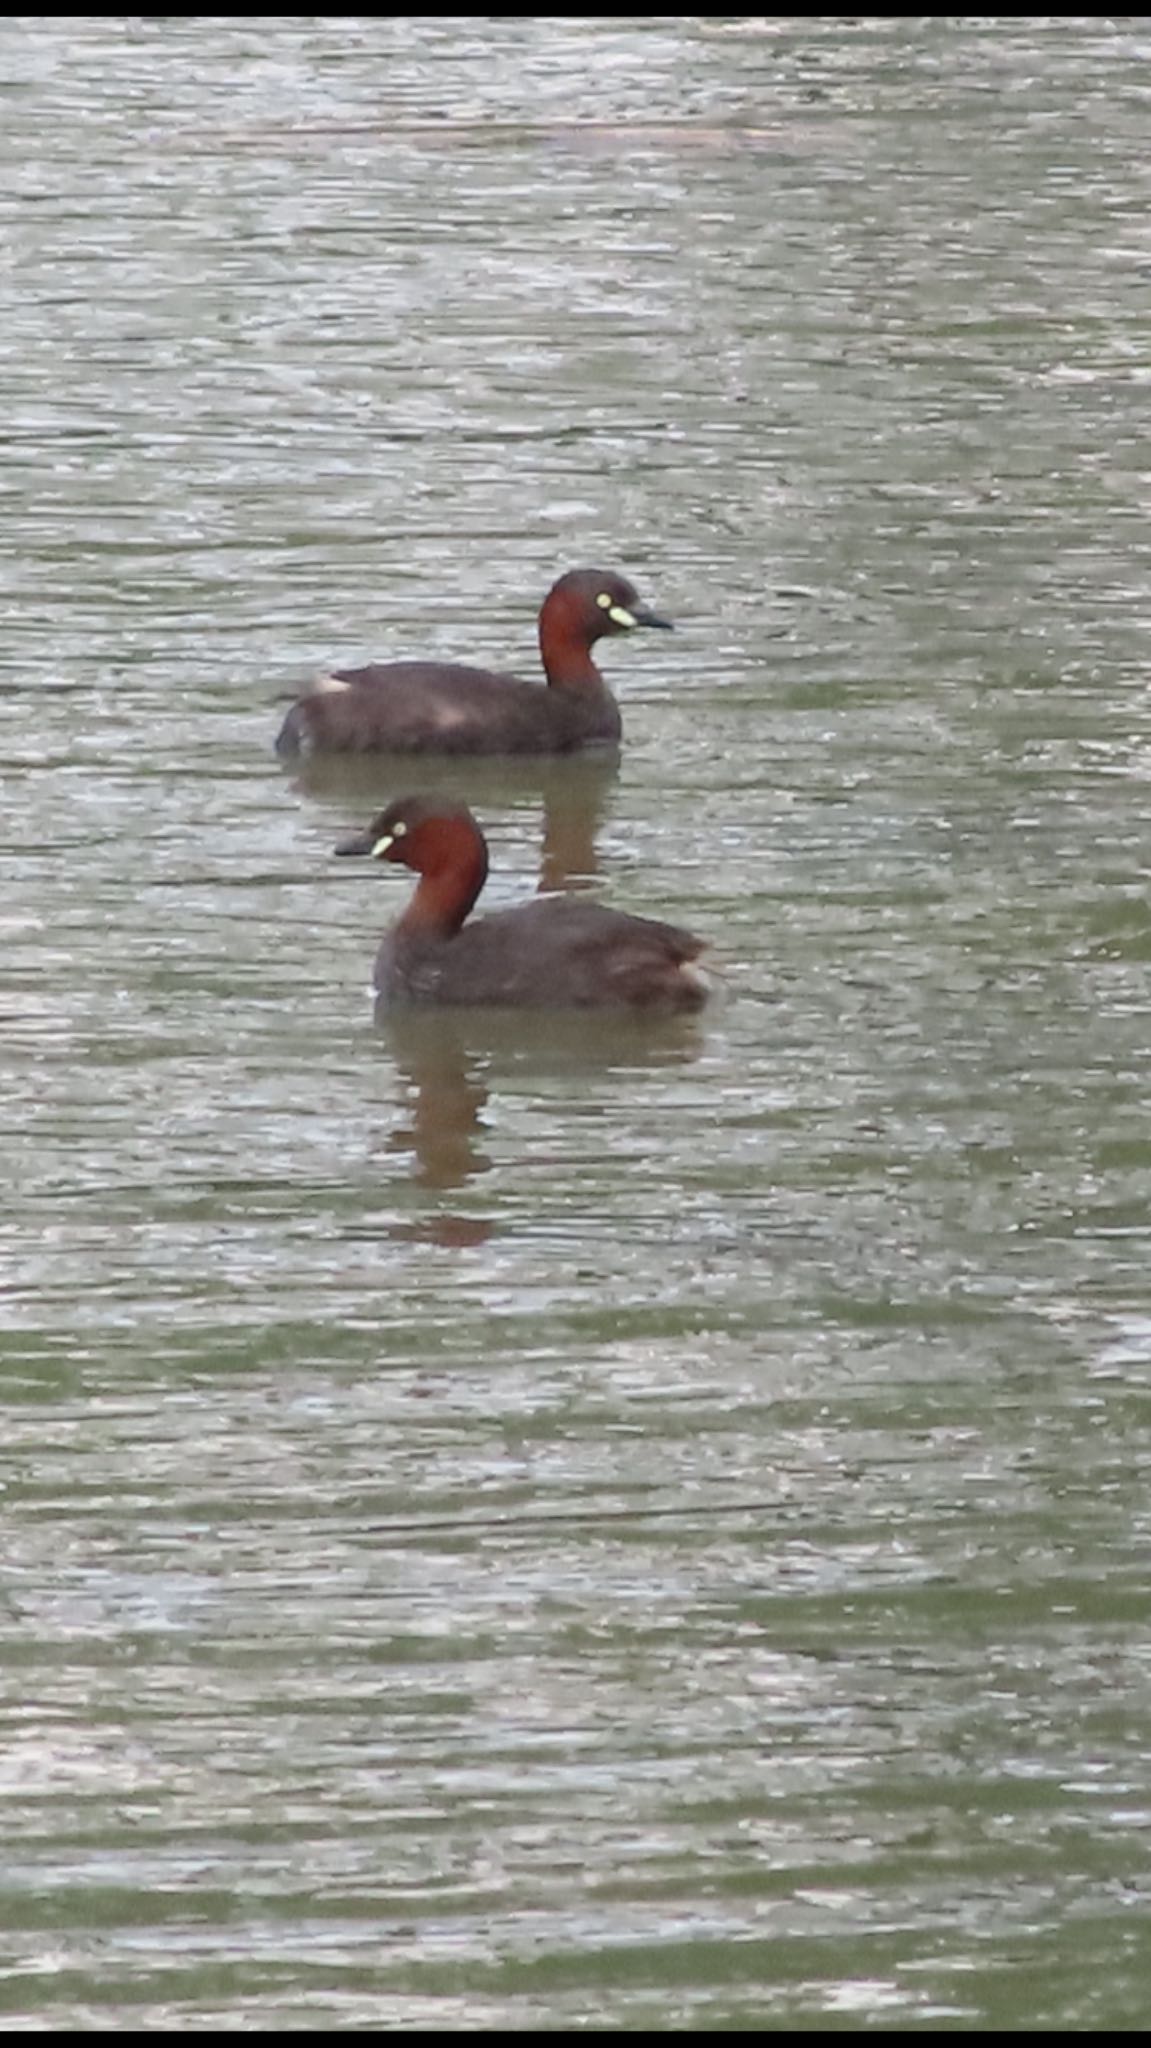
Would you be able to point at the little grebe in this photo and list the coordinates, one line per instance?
(551, 953)
(444, 707)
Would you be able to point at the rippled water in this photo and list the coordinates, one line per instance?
(544, 1526)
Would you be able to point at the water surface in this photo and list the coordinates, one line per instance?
(555, 1527)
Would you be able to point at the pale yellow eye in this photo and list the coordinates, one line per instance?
(604, 600)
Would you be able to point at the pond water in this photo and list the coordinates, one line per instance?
(547, 1525)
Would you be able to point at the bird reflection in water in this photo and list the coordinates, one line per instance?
(573, 793)
(447, 1095)
(453, 1063)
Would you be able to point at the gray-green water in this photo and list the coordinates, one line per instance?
(563, 1528)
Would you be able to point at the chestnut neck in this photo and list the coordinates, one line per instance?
(566, 638)
(451, 859)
